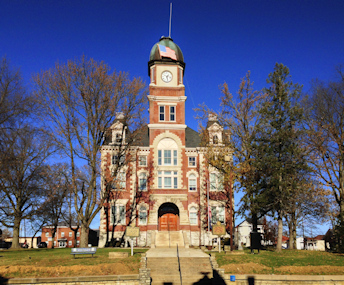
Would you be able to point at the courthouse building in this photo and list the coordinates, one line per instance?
(167, 179)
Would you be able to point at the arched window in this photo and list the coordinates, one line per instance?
(142, 215)
(167, 152)
(192, 182)
(215, 139)
(193, 216)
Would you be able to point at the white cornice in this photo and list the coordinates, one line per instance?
(167, 126)
(167, 98)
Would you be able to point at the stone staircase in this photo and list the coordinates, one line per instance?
(187, 267)
(169, 239)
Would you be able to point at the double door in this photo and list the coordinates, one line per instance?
(168, 222)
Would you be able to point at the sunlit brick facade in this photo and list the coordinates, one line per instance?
(167, 178)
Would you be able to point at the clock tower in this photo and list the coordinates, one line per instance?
(166, 89)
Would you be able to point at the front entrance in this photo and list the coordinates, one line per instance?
(168, 217)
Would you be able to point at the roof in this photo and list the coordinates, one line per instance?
(167, 42)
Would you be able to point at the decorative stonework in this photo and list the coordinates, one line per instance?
(176, 199)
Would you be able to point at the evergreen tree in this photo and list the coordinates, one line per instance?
(280, 158)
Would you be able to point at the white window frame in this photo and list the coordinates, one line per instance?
(78, 234)
(143, 181)
(173, 113)
(192, 179)
(193, 216)
(192, 161)
(70, 234)
(162, 113)
(143, 215)
(142, 160)
(216, 181)
(218, 214)
(69, 243)
(47, 234)
(118, 215)
(164, 176)
(168, 157)
(119, 184)
(114, 159)
(62, 234)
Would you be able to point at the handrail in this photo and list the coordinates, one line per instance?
(180, 272)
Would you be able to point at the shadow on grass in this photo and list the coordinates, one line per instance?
(3, 280)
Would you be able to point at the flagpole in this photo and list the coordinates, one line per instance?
(169, 30)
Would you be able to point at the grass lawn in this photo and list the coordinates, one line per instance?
(286, 262)
(59, 262)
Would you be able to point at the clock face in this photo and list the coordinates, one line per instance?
(166, 76)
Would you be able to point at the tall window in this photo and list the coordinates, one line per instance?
(118, 215)
(142, 215)
(167, 157)
(172, 113)
(167, 179)
(192, 182)
(62, 234)
(162, 113)
(143, 160)
(216, 181)
(119, 183)
(217, 214)
(143, 182)
(193, 216)
(215, 139)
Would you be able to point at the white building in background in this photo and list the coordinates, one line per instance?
(243, 231)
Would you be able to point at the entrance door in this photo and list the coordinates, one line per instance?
(168, 222)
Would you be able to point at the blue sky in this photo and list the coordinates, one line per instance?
(220, 40)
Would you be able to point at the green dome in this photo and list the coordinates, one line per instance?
(167, 42)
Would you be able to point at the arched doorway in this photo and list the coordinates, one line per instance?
(168, 217)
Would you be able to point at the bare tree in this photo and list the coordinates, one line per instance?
(79, 100)
(23, 152)
(325, 126)
(13, 98)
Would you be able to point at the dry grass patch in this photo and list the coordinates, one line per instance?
(245, 268)
(67, 271)
(311, 270)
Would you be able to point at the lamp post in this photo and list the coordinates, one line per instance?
(228, 160)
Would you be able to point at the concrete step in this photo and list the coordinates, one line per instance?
(169, 239)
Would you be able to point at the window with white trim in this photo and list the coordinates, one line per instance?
(115, 158)
(78, 242)
(54, 242)
(161, 113)
(143, 215)
(143, 181)
(117, 215)
(62, 234)
(216, 181)
(172, 113)
(46, 234)
(70, 234)
(70, 243)
(192, 161)
(167, 179)
(167, 157)
(192, 182)
(193, 216)
(120, 182)
(143, 160)
(217, 214)
(78, 234)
